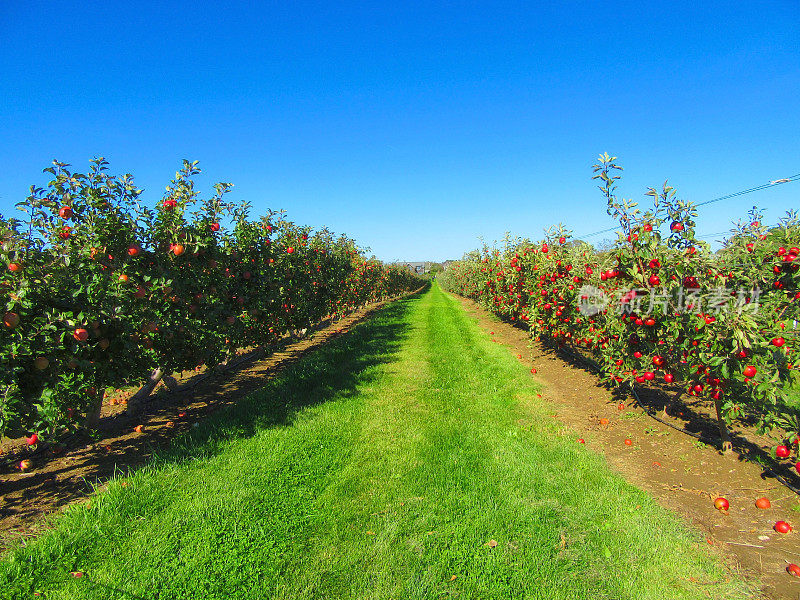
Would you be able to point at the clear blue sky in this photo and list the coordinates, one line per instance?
(412, 127)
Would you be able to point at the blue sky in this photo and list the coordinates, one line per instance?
(413, 127)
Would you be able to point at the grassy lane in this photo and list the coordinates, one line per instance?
(380, 466)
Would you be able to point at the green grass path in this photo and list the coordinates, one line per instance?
(379, 466)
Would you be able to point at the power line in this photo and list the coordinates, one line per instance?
(599, 232)
(751, 190)
(726, 197)
(711, 235)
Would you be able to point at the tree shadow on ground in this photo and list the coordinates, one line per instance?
(267, 393)
(335, 370)
(688, 413)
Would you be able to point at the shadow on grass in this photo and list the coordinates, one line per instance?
(336, 369)
(266, 393)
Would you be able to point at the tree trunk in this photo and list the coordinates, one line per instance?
(727, 446)
(170, 382)
(93, 416)
(672, 402)
(136, 401)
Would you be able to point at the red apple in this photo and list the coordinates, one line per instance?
(782, 452)
(763, 503)
(782, 527)
(80, 334)
(11, 320)
(65, 212)
(721, 504)
(691, 282)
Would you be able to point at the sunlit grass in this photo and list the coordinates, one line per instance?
(409, 459)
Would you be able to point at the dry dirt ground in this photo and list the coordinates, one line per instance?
(681, 472)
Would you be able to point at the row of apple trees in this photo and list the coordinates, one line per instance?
(101, 291)
(659, 306)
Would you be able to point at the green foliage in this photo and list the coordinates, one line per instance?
(671, 308)
(168, 287)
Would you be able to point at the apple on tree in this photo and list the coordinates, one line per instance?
(11, 320)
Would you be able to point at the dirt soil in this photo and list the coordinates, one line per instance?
(61, 477)
(681, 472)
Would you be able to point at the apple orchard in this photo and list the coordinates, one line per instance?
(101, 292)
(662, 307)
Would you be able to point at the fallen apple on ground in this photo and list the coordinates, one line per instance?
(763, 503)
